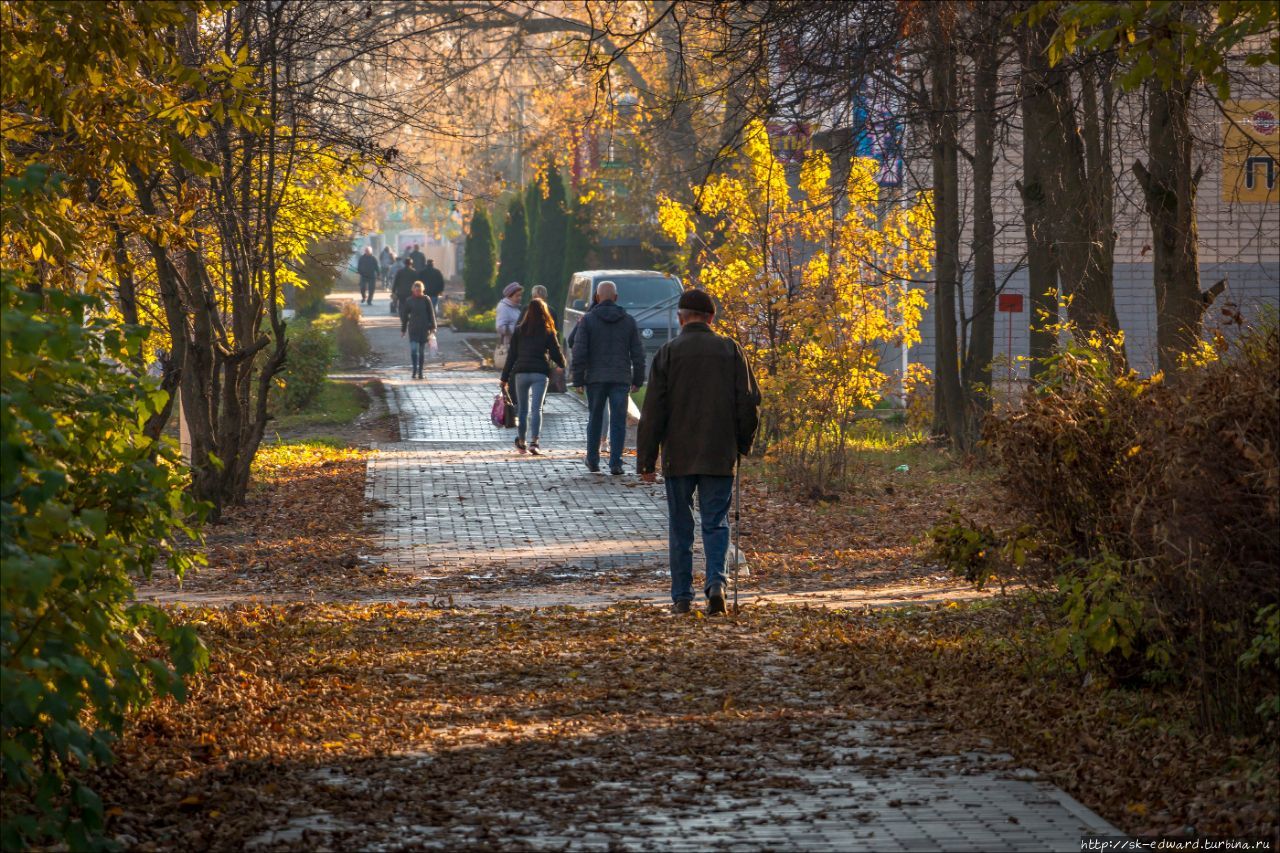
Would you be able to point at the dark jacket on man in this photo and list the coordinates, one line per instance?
(432, 281)
(532, 353)
(417, 317)
(367, 266)
(702, 406)
(607, 347)
(402, 285)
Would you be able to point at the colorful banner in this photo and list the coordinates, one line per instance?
(1250, 151)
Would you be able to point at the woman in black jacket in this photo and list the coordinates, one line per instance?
(533, 347)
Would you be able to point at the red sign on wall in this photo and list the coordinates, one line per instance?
(1010, 303)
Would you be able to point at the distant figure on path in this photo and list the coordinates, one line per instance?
(386, 261)
(508, 312)
(433, 284)
(419, 260)
(418, 319)
(608, 359)
(573, 336)
(533, 348)
(402, 285)
(701, 410)
(367, 267)
(538, 292)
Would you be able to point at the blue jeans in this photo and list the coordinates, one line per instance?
(417, 352)
(531, 390)
(615, 394)
(715, 494)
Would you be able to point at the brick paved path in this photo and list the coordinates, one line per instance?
(458, 506)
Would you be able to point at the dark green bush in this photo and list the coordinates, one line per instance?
(1164, 495)
(306, 364)
(87, 503)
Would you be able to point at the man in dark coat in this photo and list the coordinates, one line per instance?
(367, 267)
(402, 285)
(701, 411)
(419, 259)
(608, 360)
(418, 321)
(432, 284)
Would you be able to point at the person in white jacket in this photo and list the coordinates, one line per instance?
(509, 311)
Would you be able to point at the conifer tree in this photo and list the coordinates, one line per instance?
(478, 272)
(515, 247)
(549, 242)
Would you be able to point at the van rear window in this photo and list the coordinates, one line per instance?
(646, 292)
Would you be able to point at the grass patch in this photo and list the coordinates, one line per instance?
(338, 404)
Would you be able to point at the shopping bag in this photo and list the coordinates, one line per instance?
(500, 356)
(557, 385)
(432, 345)
(509, 413)
(498, 413)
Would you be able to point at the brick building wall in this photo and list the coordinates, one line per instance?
(1239, 234)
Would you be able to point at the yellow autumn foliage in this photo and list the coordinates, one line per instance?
(816, 284)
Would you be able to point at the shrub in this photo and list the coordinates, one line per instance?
(1166, 494)
(352, 343)
(305, 368)
(464, 319)
(87, 503)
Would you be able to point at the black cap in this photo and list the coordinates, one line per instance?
(696, 300)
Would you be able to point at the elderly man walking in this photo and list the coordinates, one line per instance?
(608, 359)
(367, 267)
(701, 411)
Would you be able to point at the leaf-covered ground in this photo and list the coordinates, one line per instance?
(347, 724)
(299, 534)
(352, 724)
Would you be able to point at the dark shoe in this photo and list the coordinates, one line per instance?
(533, 448)
(616, 471)
(680, 607)
(520, 445)
(593, 468)
(715, 601)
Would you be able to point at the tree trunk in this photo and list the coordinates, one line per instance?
(981, 344)
(1169, 191)
(950, 401)
(1042, 265)
(1078, 189)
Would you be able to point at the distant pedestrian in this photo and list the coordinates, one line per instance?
(573, 335)
(433, 284)
(386, 260)
(538, 292)
(418, 259)
(418, 321)
(508, 311)
(701, 411)
(534, 346)
(402, 285)
(367, 267)
(608, 359)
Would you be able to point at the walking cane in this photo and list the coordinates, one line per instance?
(737, 523)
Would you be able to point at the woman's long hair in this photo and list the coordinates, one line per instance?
(537, 319)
